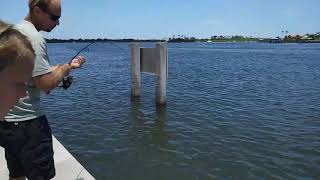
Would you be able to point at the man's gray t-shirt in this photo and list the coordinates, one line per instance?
(29, 107)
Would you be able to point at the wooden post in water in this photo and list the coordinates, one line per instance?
(152, 61)
(135, 70)
(161, 74)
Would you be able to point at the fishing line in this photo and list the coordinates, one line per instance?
(67, 81)
(123, 50)
(85, 48)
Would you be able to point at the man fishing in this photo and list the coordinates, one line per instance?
(28, 150)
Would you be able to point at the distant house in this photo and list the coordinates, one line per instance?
(307, 37)
(276, 40)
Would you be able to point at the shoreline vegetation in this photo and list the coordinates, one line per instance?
(308, 38)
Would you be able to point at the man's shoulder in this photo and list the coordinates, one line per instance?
(30, 31)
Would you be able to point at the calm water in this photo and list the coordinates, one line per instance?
(234, 111)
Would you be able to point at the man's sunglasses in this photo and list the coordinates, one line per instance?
(51, 16)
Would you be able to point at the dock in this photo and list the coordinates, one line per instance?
(67, 167)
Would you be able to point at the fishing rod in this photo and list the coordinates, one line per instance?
(86, 47)
(67, 81)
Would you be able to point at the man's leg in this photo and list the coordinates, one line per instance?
(37, 154)
(16, 171)
(13, 141)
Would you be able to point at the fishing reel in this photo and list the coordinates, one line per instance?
(66, 82)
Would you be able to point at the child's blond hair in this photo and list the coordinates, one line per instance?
(13, 45)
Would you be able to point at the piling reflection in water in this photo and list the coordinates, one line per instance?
(155, 127)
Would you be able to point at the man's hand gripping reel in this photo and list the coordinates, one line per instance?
(67, 81)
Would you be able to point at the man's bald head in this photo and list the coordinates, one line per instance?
(45, 4)
(44, 14)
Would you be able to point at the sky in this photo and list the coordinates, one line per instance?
(147, 19)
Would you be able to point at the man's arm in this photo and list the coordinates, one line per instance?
(49, 81)
(54, 67)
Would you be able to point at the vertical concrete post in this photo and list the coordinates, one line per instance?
(135, 69)
(161, 76)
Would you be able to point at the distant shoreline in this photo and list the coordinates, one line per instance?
(267, 40)
(99, 40)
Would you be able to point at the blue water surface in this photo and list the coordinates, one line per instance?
(234, 111)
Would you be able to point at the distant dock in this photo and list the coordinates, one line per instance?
(67, 167)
